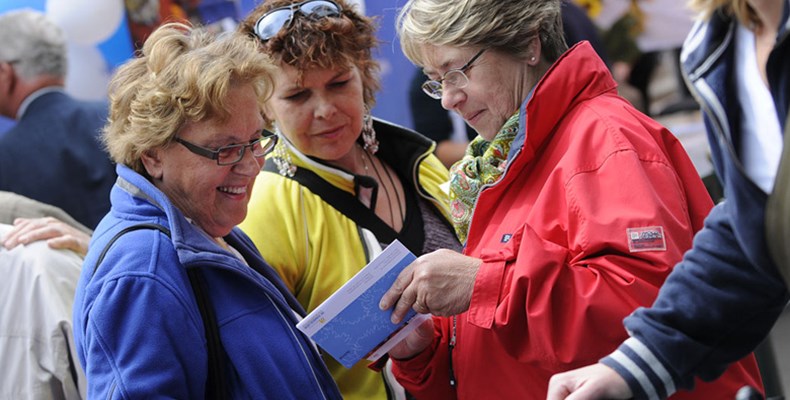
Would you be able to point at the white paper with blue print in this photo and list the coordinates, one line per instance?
(349, 325)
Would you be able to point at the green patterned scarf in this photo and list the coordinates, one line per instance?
(483, 164)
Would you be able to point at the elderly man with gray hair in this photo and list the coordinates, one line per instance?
(52, 153)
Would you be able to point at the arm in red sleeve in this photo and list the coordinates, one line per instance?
(427, 375)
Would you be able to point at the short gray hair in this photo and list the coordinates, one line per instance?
(34, 42)
(504, 25)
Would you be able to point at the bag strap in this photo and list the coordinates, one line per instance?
(215, 381)
(341, 201)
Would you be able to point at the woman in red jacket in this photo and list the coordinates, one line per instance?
(573, 207)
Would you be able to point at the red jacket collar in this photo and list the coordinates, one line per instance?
(577, 75)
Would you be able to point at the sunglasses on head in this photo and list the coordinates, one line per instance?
(273, 20)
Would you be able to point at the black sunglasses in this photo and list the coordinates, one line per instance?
(272, 21)
(229, 155)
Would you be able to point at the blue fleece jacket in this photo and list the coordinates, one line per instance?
(137, 327)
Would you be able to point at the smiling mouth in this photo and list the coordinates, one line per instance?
(233, 190)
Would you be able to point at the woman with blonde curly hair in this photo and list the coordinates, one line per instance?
(173, 300)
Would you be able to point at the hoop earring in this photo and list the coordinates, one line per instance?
(282, 159)
(371, 144)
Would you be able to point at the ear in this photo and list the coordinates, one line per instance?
(152, 162)
(533, 52)
(7, 85)
(266, 113)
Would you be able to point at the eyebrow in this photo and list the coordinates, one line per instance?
(445, 66)
(221, 139)
(298, 87)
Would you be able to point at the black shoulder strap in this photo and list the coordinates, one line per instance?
(341, 201)
(123, 232)
(215, 382)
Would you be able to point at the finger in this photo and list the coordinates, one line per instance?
(35, 233)
(13, 237)
(396, 290)
(69, 242)
(557, 389)
(420, 307)
(403, 305)
(31, 233)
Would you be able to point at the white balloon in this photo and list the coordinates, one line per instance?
(88, 74)
(87, 22)
(359, 4)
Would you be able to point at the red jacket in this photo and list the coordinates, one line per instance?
(584, 226)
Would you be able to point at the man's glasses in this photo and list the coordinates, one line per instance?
(229, 155)
(272, 21)
(456, 77)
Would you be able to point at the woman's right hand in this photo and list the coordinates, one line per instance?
(439, 283)
(415, 343)
(58, 234)
(592, 382)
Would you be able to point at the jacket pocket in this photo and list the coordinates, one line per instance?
(492, 278)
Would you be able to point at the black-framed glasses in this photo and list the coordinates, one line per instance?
(456, 77)
(229, 155)
(273, 20)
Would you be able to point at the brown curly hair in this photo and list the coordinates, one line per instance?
(324, 43)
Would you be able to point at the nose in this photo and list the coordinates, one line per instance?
(325, 108)
(249, 165)
(452, 97)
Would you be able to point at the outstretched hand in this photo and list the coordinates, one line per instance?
(439, 283)
(58, 234)
(592, 382)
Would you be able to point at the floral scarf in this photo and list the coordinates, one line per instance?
(483, 164)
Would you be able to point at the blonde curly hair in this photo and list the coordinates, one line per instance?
(183, 74)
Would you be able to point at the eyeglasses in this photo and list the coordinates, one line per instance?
(455, 77)
(272, 21)
(229, 155)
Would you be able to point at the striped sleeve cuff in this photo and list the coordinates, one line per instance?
(646, 376)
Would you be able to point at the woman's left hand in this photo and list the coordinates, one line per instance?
(439, 283)
(415, 342)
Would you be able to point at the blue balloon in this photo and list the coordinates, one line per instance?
(118, 48)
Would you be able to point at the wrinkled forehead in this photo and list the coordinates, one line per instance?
(438, 59)
(289, 77)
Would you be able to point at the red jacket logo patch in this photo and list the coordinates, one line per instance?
(650, 238)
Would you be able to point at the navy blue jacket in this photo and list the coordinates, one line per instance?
(53, 155)
(719, 303)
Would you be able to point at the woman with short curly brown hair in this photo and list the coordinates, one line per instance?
(324, 88)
